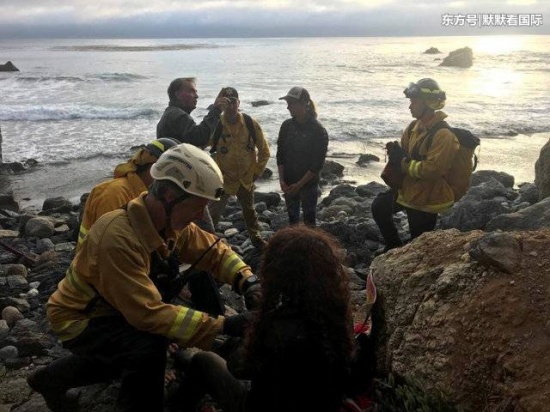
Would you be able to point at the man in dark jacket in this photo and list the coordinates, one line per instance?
(177, 123)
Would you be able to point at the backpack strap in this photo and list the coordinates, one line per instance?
(251, 129)
(428, 139)
(219, 129)
(216, 137)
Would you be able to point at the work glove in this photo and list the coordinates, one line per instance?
(395, 154)
(237, 324)
(252, 292)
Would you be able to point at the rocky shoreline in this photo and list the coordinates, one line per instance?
(496, 234)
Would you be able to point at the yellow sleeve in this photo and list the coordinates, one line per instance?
(221, 260)
(439, 157)
(123, 281)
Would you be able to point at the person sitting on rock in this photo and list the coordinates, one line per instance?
(130, 180)
(298, 350)
(109, 312)
(424, 191)
(241, 151)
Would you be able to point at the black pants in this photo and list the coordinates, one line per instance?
(385, 206)
(111, 347)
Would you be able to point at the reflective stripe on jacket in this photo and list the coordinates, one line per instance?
(238, 161)
(425, 186)
(114, 262)
(108, 196)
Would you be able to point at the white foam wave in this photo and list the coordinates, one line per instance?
(71, 112)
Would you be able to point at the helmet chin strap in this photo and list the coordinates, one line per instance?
(168, 206)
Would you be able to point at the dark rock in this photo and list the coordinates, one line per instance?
(500, 250)
(485, 175)
(529, 193)
(542, 172)
(531, 218)
(259, 103)
(371, 189)
(331, 168)
(459, 58)
(57, 204)
(8, 67)
(470, 214)
(271, 199)
(367, 158)
(491, 189)
(267, 173)
(29, 339)
(17, 167)
(40, 227)
(432, 50)
(7, 202)
(339, 191)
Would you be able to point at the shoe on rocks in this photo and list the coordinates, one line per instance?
(57, 399)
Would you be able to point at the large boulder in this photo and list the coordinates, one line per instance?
(481, 204)
(467, 315)
(459, 58)
(542, 172)
(533, 217)
(8, 67)
(481, 176)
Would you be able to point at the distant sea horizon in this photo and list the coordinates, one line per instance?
(78, 106)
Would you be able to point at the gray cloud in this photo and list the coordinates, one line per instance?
(218, 18)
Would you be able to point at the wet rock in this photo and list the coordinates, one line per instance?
(332, 168)
(8, 352)
(463, 57)
(542, 172)
(8, 67)
(11, 315)
(367, 158)
(432, 50)
(40, 227)
(258, 103)
(17, 270)
(57, 204)
(482, 176)
(7, 202)
(533, 217)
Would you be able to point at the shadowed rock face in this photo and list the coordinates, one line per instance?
(467, 313)
(542, 172)
(459, 58)
(8, 67)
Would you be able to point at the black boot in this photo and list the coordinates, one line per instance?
(53, 381)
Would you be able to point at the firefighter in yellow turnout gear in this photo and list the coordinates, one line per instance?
(130, 180)
(108, 311)
(426, 188)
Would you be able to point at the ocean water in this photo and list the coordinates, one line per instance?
(78, 106)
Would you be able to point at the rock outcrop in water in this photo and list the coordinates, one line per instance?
(459, 58)
(8, 67)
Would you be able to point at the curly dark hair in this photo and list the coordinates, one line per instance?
(302, 268)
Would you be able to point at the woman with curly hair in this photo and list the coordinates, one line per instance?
(299, 346)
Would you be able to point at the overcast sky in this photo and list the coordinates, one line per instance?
(259, 18)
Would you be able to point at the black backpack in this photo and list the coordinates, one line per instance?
(219, 128)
